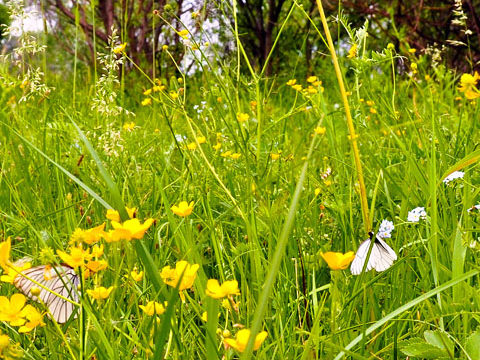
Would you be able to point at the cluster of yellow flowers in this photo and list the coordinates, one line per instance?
(314, 85)
(468, 85)
(159, 87)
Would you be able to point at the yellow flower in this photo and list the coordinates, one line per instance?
(201, 139)
(115, 215)
(242, 117)
(412, 50)
(76, 258)
(274, 156)
(182, 270)
(253, 105)
(10, 274)
(153, 307)
(165, 47)
(320, 130)
(96, 265)
(147, 101)
(312, 79)
(370, 102)
(183, 209)
(89, 236)
(158, 88)
(4, 343)
(100, 293)
(235, 156)
(291, 82)
(34, 319)
(217, 146)
(97, 251)
(173, 95)
(241, 340)
(217, 291)
(183, 33)
(11, 310)
(226, 154)
(352, 52)
(427, 77)
(130, 229)
(119, 48)
(468, 85)
(129, 126)
(297, 87)
(192, 146)
(414, 68)
(5, 248)
(137, 276)
(390, 46)
(317, 83)
(204, 316)
(317, 191)
(311, 90)
(338, 261)
(147, 92)
(373, 110)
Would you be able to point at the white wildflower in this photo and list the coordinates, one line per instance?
(454, 175)
(385, 229)
(474, 207)
(416, 214)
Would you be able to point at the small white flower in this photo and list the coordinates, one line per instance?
(385, 229)
(454, 175)
(180, 138)
(416, 214)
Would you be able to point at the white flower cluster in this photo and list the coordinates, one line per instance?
(385, 229)
(416, 214)
(454, 175)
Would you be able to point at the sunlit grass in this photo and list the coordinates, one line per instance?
(251, 179)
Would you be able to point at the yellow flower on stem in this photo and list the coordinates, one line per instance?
(5, 248)
(183, 209)
(96, 265)
(4, 342)
(89, 236)
(137, 276)
(100, 293)
(242, 117)
(183, 33)
(119, 48)
(274, 156)
(338, 261)
(12, 272)
(241, 340)
(312, 79)
(352, 52)
(297, 87)
(145, 102)
(468, 85)
(201, 139)
(320, 130)
(76, 258)
(153, 307)
(34, 319)
(129, 126)
(114, 215)
(184, 271)
(11, 310)
(217, 291)
(128, 230)
(291, 82)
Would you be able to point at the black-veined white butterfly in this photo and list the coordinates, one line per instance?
(60, 279)
(381, 257)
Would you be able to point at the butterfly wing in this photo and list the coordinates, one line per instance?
(360, 257)
(60, 279)
(381, 258)
(386, 255)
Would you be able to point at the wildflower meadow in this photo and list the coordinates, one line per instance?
(169, 192)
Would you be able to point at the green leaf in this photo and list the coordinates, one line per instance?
(417, 347)
(440, 340)
(472, 346)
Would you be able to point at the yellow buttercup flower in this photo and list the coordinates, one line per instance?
(130, 229)
(183, 270)
(275, 156)
(183, 209)
(100, 293)
(129, 126)
(352, 52)
(147, 101)
(312, 79)
(242, 117)
(235, 156)
(34, 319)
(153, 307)
(11, 309)
(147, 92)
(241, 340)
(291, 82)
(183, 33)
(90, 236)
(173, 95)
(217, 146)
(320, 130)
(201, 139)
(119, 48)
(76, 258)
(338, 261)
(297, 87)
(468, 85)
(137, 276)
(192, 146)
(217, 291)
(10, 274)
(5, 248)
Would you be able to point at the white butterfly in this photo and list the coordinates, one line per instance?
(61, 279)
(381, 257)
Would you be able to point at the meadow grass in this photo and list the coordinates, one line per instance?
(262, 213)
